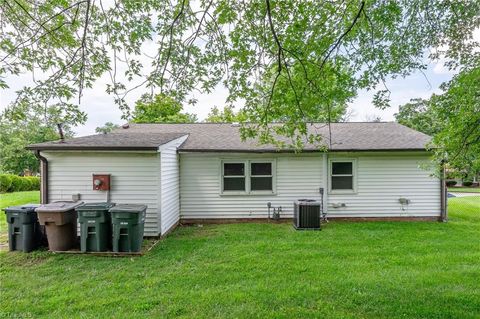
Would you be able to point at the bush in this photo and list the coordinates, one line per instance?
(451, 183)
(467, 183)
(35, 183)
(26, 184)
(5, 183)
(16, 185)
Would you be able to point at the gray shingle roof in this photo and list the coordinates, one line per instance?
(209, 137)
(113, 141)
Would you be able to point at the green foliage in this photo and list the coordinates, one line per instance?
(289, 61)
(420, 116)
(451, 183)
(160, 109)
(458, 111)
(26, 184)
(106, 128)
(467, 183)
(453, 118)
(17, 184)
(5, 183)
(227, 115)
(35, 182)
(23, 124)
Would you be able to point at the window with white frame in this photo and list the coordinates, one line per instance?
(248, 177)
(261, 176)
(234, 177)
(342, 176)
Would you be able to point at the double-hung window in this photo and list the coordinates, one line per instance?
(342, 176)
(234, 177)
(248, 177)
(261, 176)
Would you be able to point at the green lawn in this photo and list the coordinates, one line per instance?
(464, 189)
(347, 270)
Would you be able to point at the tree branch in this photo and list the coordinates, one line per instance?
(337, 43)
(169, 52)
(83, 46)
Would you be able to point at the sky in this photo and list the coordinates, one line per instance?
(100, 107)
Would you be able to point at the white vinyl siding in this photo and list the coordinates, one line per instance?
(297, 176)
(170, 187)
(135, 179)
(381, 181)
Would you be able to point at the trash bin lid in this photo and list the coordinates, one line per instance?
(95, 206)
(128, 208)
(58, 207)
(27, 208)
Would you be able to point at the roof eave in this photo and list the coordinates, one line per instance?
(193, 150)
(91, 148)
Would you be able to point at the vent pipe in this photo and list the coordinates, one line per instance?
(60, 132)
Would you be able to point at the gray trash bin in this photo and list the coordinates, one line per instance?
(24, 231)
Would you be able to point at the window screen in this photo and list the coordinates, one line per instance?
(234, 169)
(342, 176)
(234, 176)
(261, 178)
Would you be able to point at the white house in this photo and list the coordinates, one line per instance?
(205, 172)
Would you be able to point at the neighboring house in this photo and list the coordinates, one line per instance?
(201, 172)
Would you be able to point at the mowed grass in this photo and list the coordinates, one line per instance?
(13, 199)
(347, 270)
(464, 189)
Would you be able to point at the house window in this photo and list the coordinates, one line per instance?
(342, 176)
(234, 177)
(256, 177)
(261, 177)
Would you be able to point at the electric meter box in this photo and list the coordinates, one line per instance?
(101, 182)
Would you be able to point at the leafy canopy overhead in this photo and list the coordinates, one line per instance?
(292, 61)
(160, 109)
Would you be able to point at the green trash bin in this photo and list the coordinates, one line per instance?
(24, 231)
(128, 222)
(95, 226)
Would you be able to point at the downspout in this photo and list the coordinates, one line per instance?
(443, 193)
(325, 183)
(44, 177)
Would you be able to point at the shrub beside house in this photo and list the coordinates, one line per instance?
(15, 183)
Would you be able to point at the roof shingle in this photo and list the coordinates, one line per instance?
(111, 141)
(224, 137)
